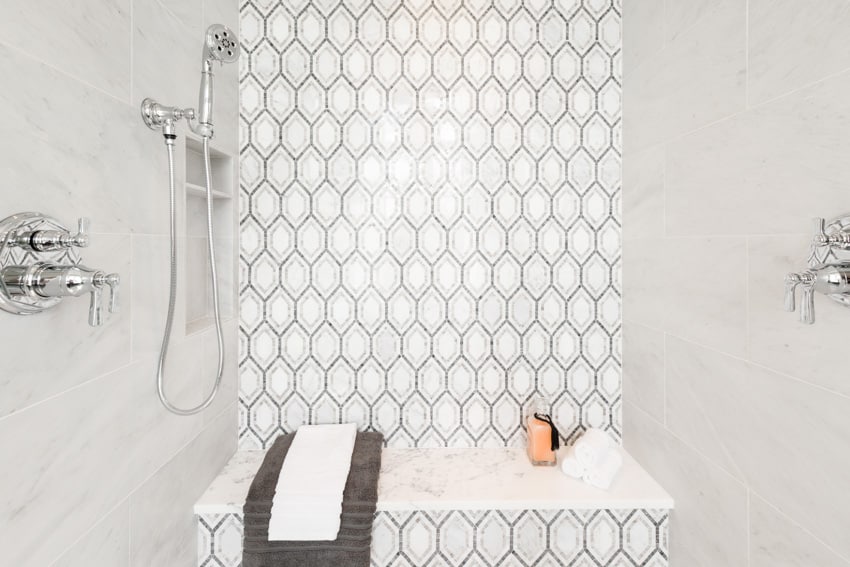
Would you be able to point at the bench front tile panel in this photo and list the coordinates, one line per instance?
(415, 538)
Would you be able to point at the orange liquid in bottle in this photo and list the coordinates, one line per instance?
(540, 442)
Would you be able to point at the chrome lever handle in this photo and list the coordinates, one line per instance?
(792, 280)
(114, 282)
(95, 315)
(807, 303)
(81, 239)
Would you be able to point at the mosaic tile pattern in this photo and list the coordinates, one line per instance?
(430, 224)
(578, 538)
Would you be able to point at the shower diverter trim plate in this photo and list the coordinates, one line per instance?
(15, 232)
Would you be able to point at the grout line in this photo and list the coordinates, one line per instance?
(66, 391)
(747, 54)
(91, 529)
(690, 447)
(664, 377)
(747, 310)
(61, 71)
(800, 526)
(738, 358)
(132, 50)
(749, 529)
(763, 367)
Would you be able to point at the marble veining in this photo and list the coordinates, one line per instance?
(461, 479)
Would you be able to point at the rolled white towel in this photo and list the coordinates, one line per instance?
(590, 445)
(601, 474)
(570, 465)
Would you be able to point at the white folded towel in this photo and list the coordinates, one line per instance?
(590, 445)
(608, 463)
(570, 465)
(307, 504)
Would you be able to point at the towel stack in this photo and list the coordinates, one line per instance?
(595, 458)
(308, 496)
(351, 548)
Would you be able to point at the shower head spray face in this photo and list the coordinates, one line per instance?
(221, 44)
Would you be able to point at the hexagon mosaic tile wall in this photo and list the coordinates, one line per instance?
(430, 231)
(521, 538)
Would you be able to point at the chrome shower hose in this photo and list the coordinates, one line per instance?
(173, 290)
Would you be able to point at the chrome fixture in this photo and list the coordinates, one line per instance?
(219, 45)
(829, 269)
(39, 267)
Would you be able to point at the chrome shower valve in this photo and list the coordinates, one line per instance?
(46, 280)
(831, 280)
(49, 240)
(39, 267)
(836, 237)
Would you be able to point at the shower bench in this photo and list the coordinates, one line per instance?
(486, 507)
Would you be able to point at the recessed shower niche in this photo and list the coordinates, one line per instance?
(198, 288)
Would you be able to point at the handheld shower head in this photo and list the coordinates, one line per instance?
(220, 45)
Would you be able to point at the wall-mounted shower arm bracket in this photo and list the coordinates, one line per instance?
(160, 117)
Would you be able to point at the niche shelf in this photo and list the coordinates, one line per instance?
(197, 286)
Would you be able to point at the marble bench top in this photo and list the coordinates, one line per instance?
(462, 479)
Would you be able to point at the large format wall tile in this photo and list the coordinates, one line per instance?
(81, 427)
(777, 339)
(29, 376)
(107, 543)
(162, 525)
(790, 47)
(88, 40)
(740, 390)
(782, 417)
(643, 372)
(698, 78)
(711, 506)
(776, 541)
(429, 226)
(66, 159)
(767, 171)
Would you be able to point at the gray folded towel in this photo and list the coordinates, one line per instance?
(359, 499)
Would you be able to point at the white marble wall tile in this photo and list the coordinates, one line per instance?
(681, 15)
(643, 203)
(711, 505)
(69, 159)
(88, 41)
(79, 149)
(790, 47)
(643, 31)
(776, 338)
(781, 416)
(645, 266)
(29, 376)
(106, 544)
(643, 373)
(189, 12)
(787, 154)
(63, 484)
(166, 56)
(706, 291)
(162, 526)
(698, 78)
(777, 541)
